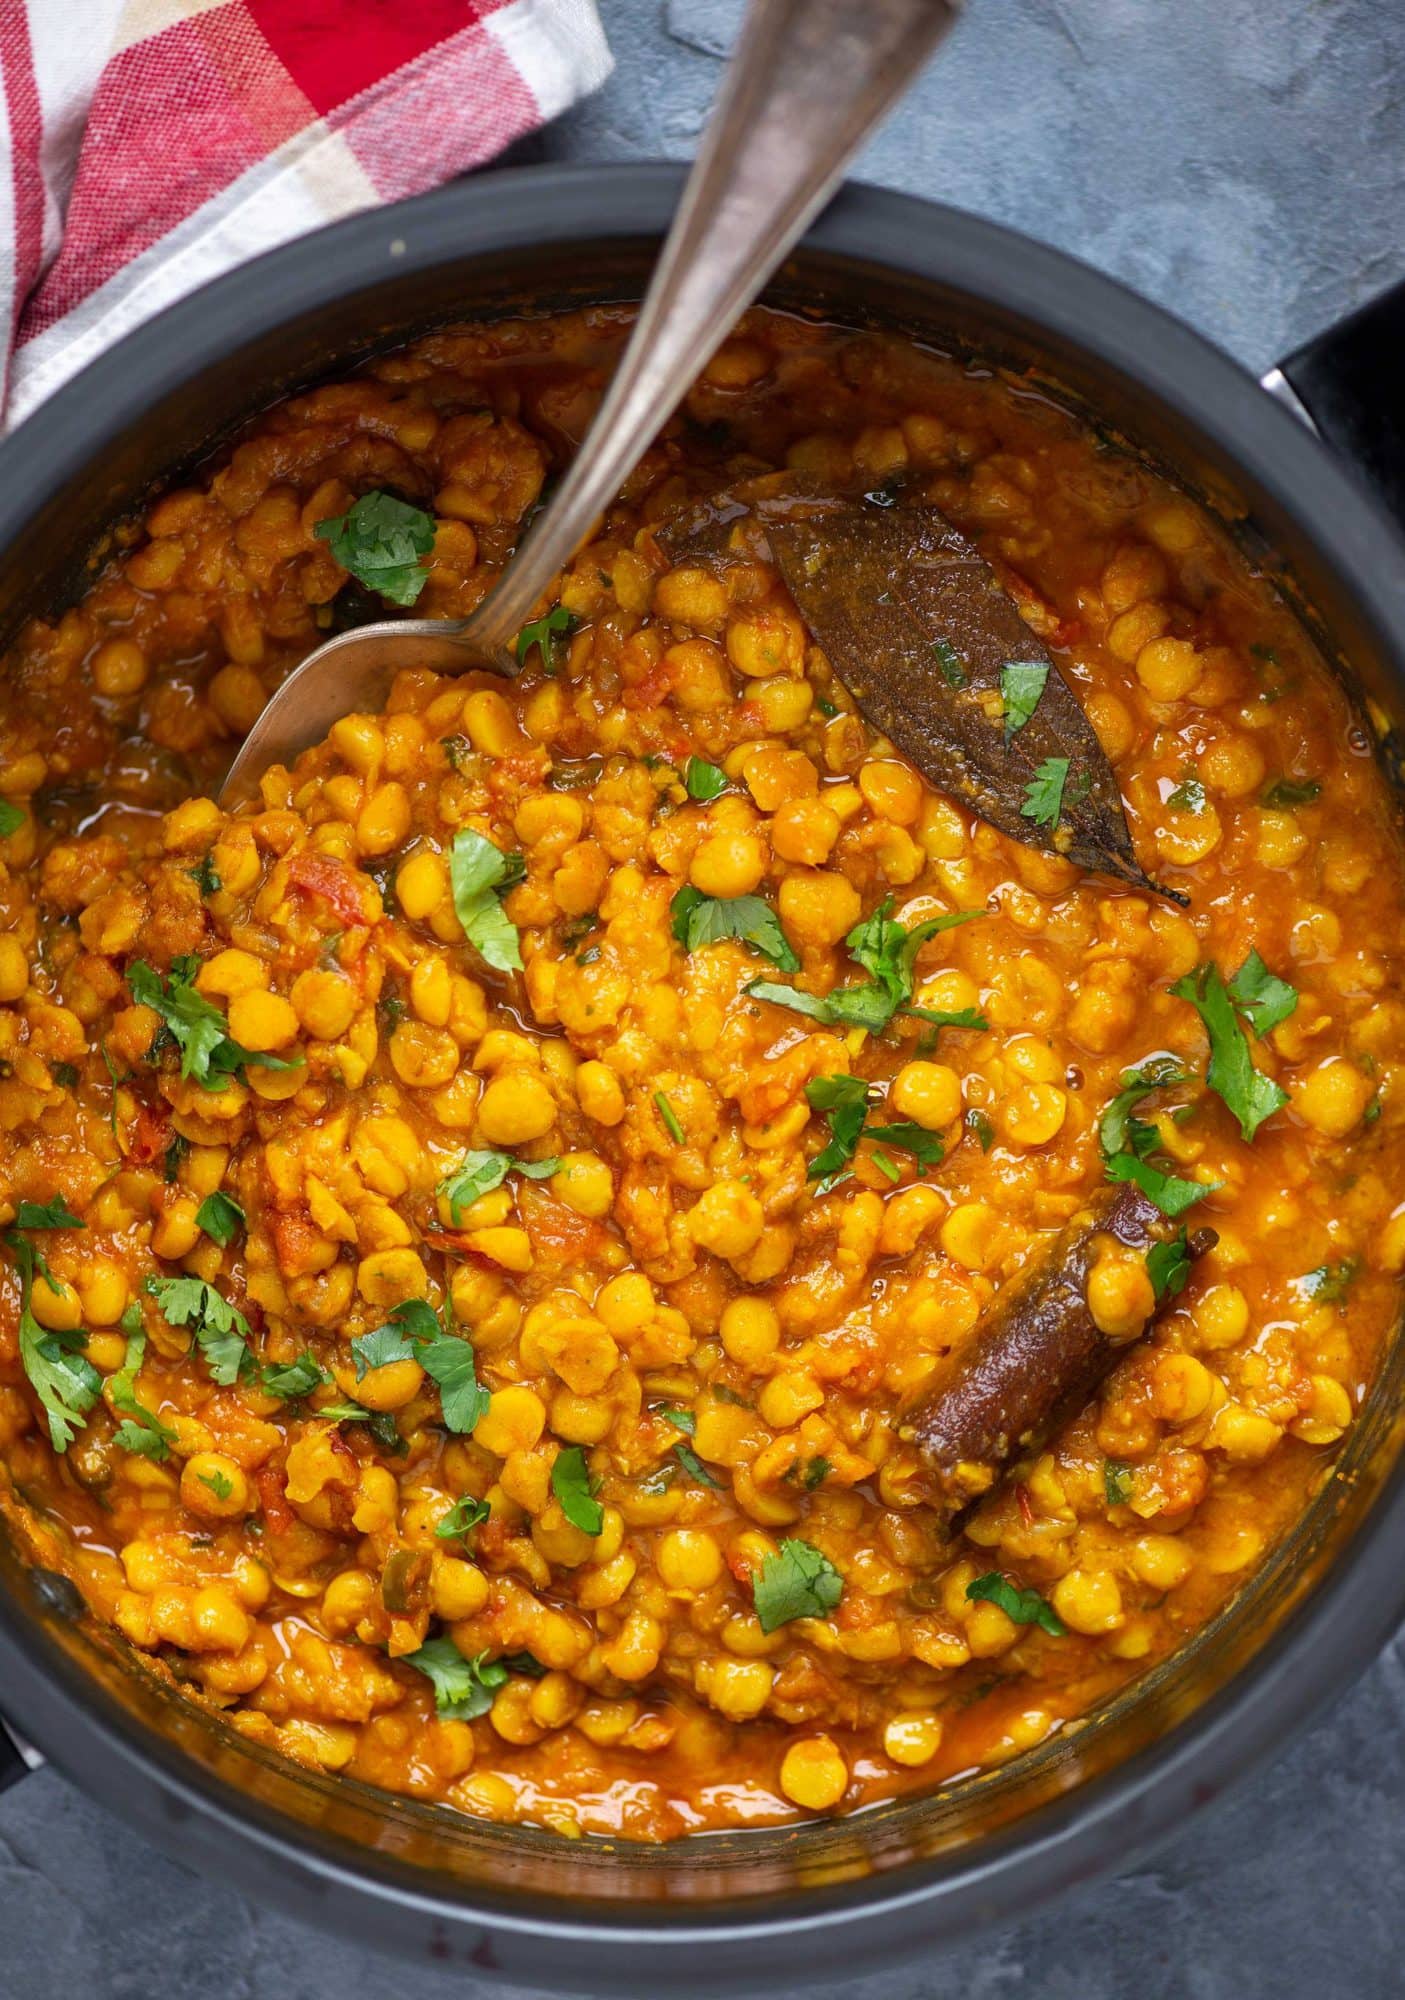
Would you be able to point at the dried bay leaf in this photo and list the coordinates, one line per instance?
(915, 623)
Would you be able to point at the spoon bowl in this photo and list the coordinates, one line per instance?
(808, 81)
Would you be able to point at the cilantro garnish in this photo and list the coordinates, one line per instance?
(1021, 685)
(1117, 1482)
(575, 1489)
(1329, 1284)
(982, 1128)
(219, 1483)
(221, 1217)
(885, 949)
(694, 1466)
(290, 1379)
(1115, 1127)
(462, 1518)
(1168, 1266)
(11, 818)
(1044, 794)
(141, 1431)
(700, 920)
(55, 1214)
(1285, 793)
(221, 1332)
(60, 1374)
(1247, 1092)
(381, 541)
(703, 781)
(1170, 1194)
(949, 660)
(546, 634)
(1261, 996)
(205, 876)
(196, 1026)
(1188, 796)
(480, 874)
(463, 1688)
(796, 1582)
(479, 1173)
(844, 1102)
(412, 1332)
(1023, 1607)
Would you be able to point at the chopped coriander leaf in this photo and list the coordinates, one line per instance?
(479, 874)
(219, 1483)
(796, 1582)
(1156, 1073)
(827, 708)
(205, 876)
(682, 1420)
(1044, 794)
(1021, 685)
(381, 542)
(1171, 1195)
(949, 660)
(1117, 1482)
(220, 1216)
(457, 749)
(196, 1026)
(815, 1474)
(176, 1151)
(142, 1431)
(1246, 1091)
(950, 1017)
(61, 1376)
(381, 1346)
(885, 949)
(980, 1125)
(462, 1518)
(844, 1102)
(669, 1118)
(291, 1379)
(694, 1466)
(703, 781)
(390, 1012)
(1188, 797)
(1168, 1266)
(575, 1489)
(926, 1148)
(1261, 996)
(699, 920)
(1329, 1284)
(546, 634)
(1022, 1607)
(64, 1074)
(463, 1688)
(1285, 793)
(412, 1332)
(55, 1214)
(479, 1173)
(11, 818)
(221, 1332)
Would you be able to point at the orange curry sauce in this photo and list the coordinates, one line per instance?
(685, 1360)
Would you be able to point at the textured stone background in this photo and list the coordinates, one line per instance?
(1243, 162)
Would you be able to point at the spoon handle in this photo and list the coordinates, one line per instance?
(808, 81)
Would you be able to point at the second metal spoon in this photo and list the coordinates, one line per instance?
(807, 82)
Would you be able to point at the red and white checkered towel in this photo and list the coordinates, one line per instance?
(148, 145)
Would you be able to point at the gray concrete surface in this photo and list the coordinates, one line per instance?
(1243, 162)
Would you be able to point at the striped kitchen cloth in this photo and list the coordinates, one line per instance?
(151, 144)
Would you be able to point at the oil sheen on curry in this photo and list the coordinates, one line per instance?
(604, 1253)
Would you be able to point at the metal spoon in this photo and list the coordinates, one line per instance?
(808, 81)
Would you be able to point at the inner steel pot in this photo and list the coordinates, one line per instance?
(734, 1910)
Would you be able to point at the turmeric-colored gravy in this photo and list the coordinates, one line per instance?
(467, 1377)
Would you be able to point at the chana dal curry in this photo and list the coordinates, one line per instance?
(603, 1253)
